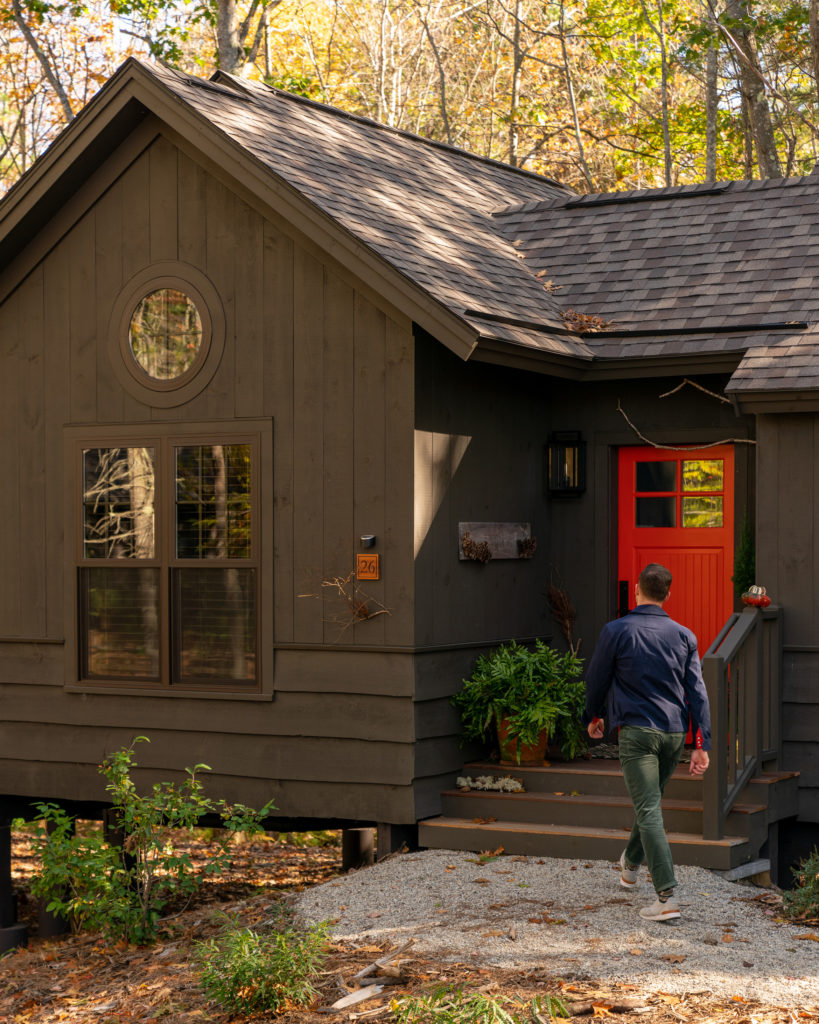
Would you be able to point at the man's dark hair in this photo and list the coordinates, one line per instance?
(655, 582)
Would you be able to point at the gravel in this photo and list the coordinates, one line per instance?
(572, 918)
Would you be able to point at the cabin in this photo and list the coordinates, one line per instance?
(272, 374)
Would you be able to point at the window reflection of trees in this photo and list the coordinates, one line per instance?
(118, 500)
(166, 334)
(121, 605)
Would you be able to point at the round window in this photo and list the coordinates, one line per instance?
(165, 334)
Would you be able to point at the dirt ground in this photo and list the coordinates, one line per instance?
(80, 979)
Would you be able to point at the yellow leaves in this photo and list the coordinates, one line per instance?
(602, 1010)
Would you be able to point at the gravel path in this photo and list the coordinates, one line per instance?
(574, 919)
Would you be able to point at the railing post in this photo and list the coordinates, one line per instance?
(714, 781)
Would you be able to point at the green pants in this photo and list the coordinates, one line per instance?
(648, 757)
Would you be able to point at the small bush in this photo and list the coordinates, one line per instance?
(803, 900)
(245, 971)
(124, 891)
(452, 1005)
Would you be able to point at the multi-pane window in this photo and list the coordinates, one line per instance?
(679, 492)
(169, 571)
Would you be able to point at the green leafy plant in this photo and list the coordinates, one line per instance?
(451, 1005)
(744, 558)
(535, 691)
(248, 971)
(124, 890)
(803, 900)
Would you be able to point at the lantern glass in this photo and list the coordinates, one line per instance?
(566, 464)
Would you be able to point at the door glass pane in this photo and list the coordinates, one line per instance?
(703, 475)
(213, 497)
(656, 511)
(705, 511)
(119, 627)
(215, 625)
(656, 476)
(118, 503)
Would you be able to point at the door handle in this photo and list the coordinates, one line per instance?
(622, 598)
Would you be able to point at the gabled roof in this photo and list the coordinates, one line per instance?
(422, 209)
(709, 278)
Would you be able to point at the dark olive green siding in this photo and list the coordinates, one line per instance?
(481, 433)
(787, 560)
(315, 354)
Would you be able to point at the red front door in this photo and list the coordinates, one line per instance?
(677, 508)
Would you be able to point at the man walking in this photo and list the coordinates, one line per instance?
(645, 677)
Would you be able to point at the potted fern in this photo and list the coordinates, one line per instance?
(528, 698)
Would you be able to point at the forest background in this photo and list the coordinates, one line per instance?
(602, 95)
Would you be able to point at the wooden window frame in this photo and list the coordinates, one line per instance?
(165, 438)
(166, 394)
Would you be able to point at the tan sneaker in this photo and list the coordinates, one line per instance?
(661, 911)
(628, 876)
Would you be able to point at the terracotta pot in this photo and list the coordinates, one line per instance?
(509, 747)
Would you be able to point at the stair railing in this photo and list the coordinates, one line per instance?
(742, 672)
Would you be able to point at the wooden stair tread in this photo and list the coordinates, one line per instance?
(596, 766)
(684, 838)
(589, 799)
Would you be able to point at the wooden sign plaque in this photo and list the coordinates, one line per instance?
(367, 567)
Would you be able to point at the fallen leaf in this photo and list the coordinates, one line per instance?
(727, 937)
(747, 963)
(668, 998)
(481, 881)
(673, 958)
(738, 999)
(811, 936)
(636, 952)
(484, 821)
(494, 933)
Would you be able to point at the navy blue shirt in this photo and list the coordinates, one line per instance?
(645, 671)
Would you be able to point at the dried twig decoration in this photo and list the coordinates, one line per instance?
(564, 613)
(359, 606)
(475, 551)
(527, 546)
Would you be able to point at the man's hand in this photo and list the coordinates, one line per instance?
(596, 728)
(699, 762)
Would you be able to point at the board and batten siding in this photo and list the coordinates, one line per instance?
(481, 434)
(309, 349)
(787, 564)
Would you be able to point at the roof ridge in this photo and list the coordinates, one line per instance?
(252, 84)
(689, 191)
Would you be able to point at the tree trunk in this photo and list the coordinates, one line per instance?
(228, 45)
(752, 85)
(711, 102)
(814, 45)
(567, 71)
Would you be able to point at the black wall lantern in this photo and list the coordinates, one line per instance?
(566, 464)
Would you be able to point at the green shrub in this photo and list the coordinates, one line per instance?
(123, 891)
(452, 1005)
(536, 690)
(803, 900)
(246, 971)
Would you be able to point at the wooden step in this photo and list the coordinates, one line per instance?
(596, 776)
(576, 842)
(578, 809)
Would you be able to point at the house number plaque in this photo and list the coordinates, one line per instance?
(367, 567)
